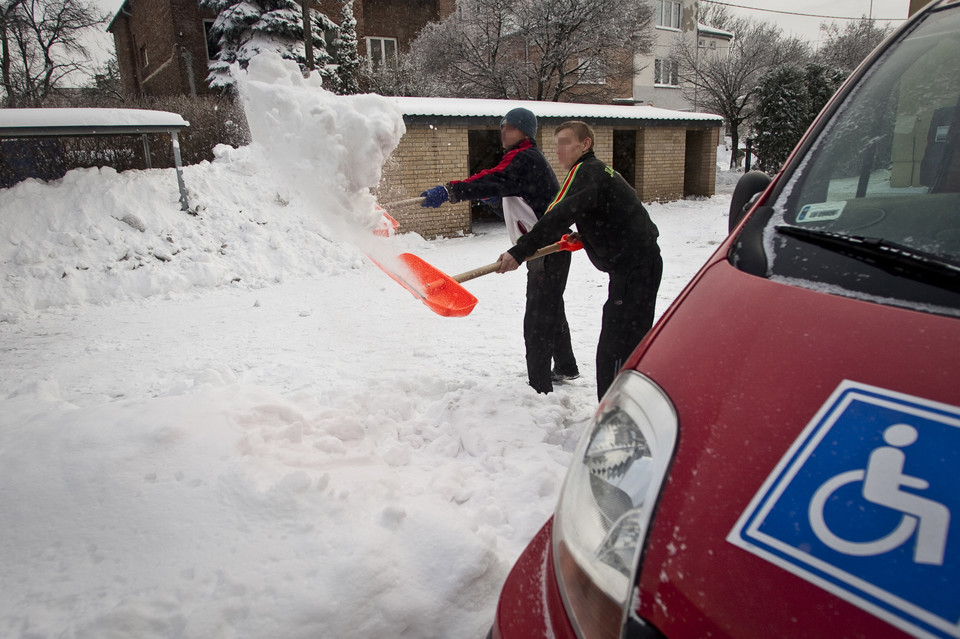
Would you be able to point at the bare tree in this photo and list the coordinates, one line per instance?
(717, 16)
(42, 44)
(726, 83)
(532, 49)
(846, 48)
(464, 55)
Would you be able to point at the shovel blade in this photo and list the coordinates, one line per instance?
(438, 291)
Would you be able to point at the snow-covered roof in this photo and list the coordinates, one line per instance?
(457, 107)
(706, 30)
(37, 122)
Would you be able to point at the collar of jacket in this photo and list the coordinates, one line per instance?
(587, 155)
(525, 143)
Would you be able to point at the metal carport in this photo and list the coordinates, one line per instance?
(28, 123)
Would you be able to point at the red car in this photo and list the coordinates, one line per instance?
(779, 457)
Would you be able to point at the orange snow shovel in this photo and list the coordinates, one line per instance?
(442, 293)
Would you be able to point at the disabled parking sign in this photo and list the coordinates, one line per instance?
(866, 505)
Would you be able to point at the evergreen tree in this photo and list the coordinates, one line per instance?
(244, 28)
(783, 114)
(325, 32)
(346, 57)
(822, 83)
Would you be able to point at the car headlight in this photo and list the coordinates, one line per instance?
(607, 502)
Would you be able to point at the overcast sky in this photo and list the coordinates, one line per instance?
(888, 12)
(893, 12)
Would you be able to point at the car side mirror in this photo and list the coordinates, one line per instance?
(748, 188)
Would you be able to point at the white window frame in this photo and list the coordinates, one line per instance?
(672, 77)
(378, 45)
(592, 75)
(668, 14)
(207, 24)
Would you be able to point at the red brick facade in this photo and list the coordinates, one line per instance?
(399, 19)
(161, 47)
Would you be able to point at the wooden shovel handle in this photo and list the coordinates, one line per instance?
(402, 203)
(492, 268)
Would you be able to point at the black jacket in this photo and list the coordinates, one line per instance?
(523, 172)
(615, 228)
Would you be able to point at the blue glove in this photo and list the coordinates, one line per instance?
(435, 197)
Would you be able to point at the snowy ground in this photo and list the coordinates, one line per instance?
(232, 424)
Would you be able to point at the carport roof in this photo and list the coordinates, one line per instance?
(69, 122)
(469, 108)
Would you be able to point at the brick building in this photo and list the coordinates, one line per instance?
(162, 46)
(665, 155)
(387, 27)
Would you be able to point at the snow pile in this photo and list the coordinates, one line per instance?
(232, 425)
(305, 187)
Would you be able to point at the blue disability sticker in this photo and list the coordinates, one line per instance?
(862, 503)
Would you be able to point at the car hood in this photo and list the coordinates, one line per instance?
(779, 363)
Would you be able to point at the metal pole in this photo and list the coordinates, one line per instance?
(146, 151)
(175, 140)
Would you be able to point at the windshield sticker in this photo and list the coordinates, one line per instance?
(863, 505)
(823, 212)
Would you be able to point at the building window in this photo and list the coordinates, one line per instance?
(592, 73)
(144, 59)
(666, 72)
(382, 53)
(668, 14)
(213, 45)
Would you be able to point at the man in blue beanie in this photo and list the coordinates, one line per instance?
(525, 185)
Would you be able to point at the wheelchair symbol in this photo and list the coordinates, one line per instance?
(882, 482)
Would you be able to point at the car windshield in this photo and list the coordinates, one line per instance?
(882, 181)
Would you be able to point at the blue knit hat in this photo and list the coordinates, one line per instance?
(523, 119)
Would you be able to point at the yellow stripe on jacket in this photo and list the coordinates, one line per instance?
(565, 186)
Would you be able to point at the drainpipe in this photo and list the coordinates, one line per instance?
(188, 60)
(307, 35)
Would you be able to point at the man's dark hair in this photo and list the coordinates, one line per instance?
(581, 129)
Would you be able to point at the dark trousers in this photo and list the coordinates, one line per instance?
(627, 316)
(546, 334)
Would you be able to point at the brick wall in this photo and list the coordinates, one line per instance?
(400, 19)
(660, 163)
(172, 34)
(667, 169)
(425, 157)
(126, 55)
(191, 39)
(700, 167)
(161, 47)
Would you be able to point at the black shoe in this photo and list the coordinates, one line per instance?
(563, 377)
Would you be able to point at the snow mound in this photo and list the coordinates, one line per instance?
(299, 195)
